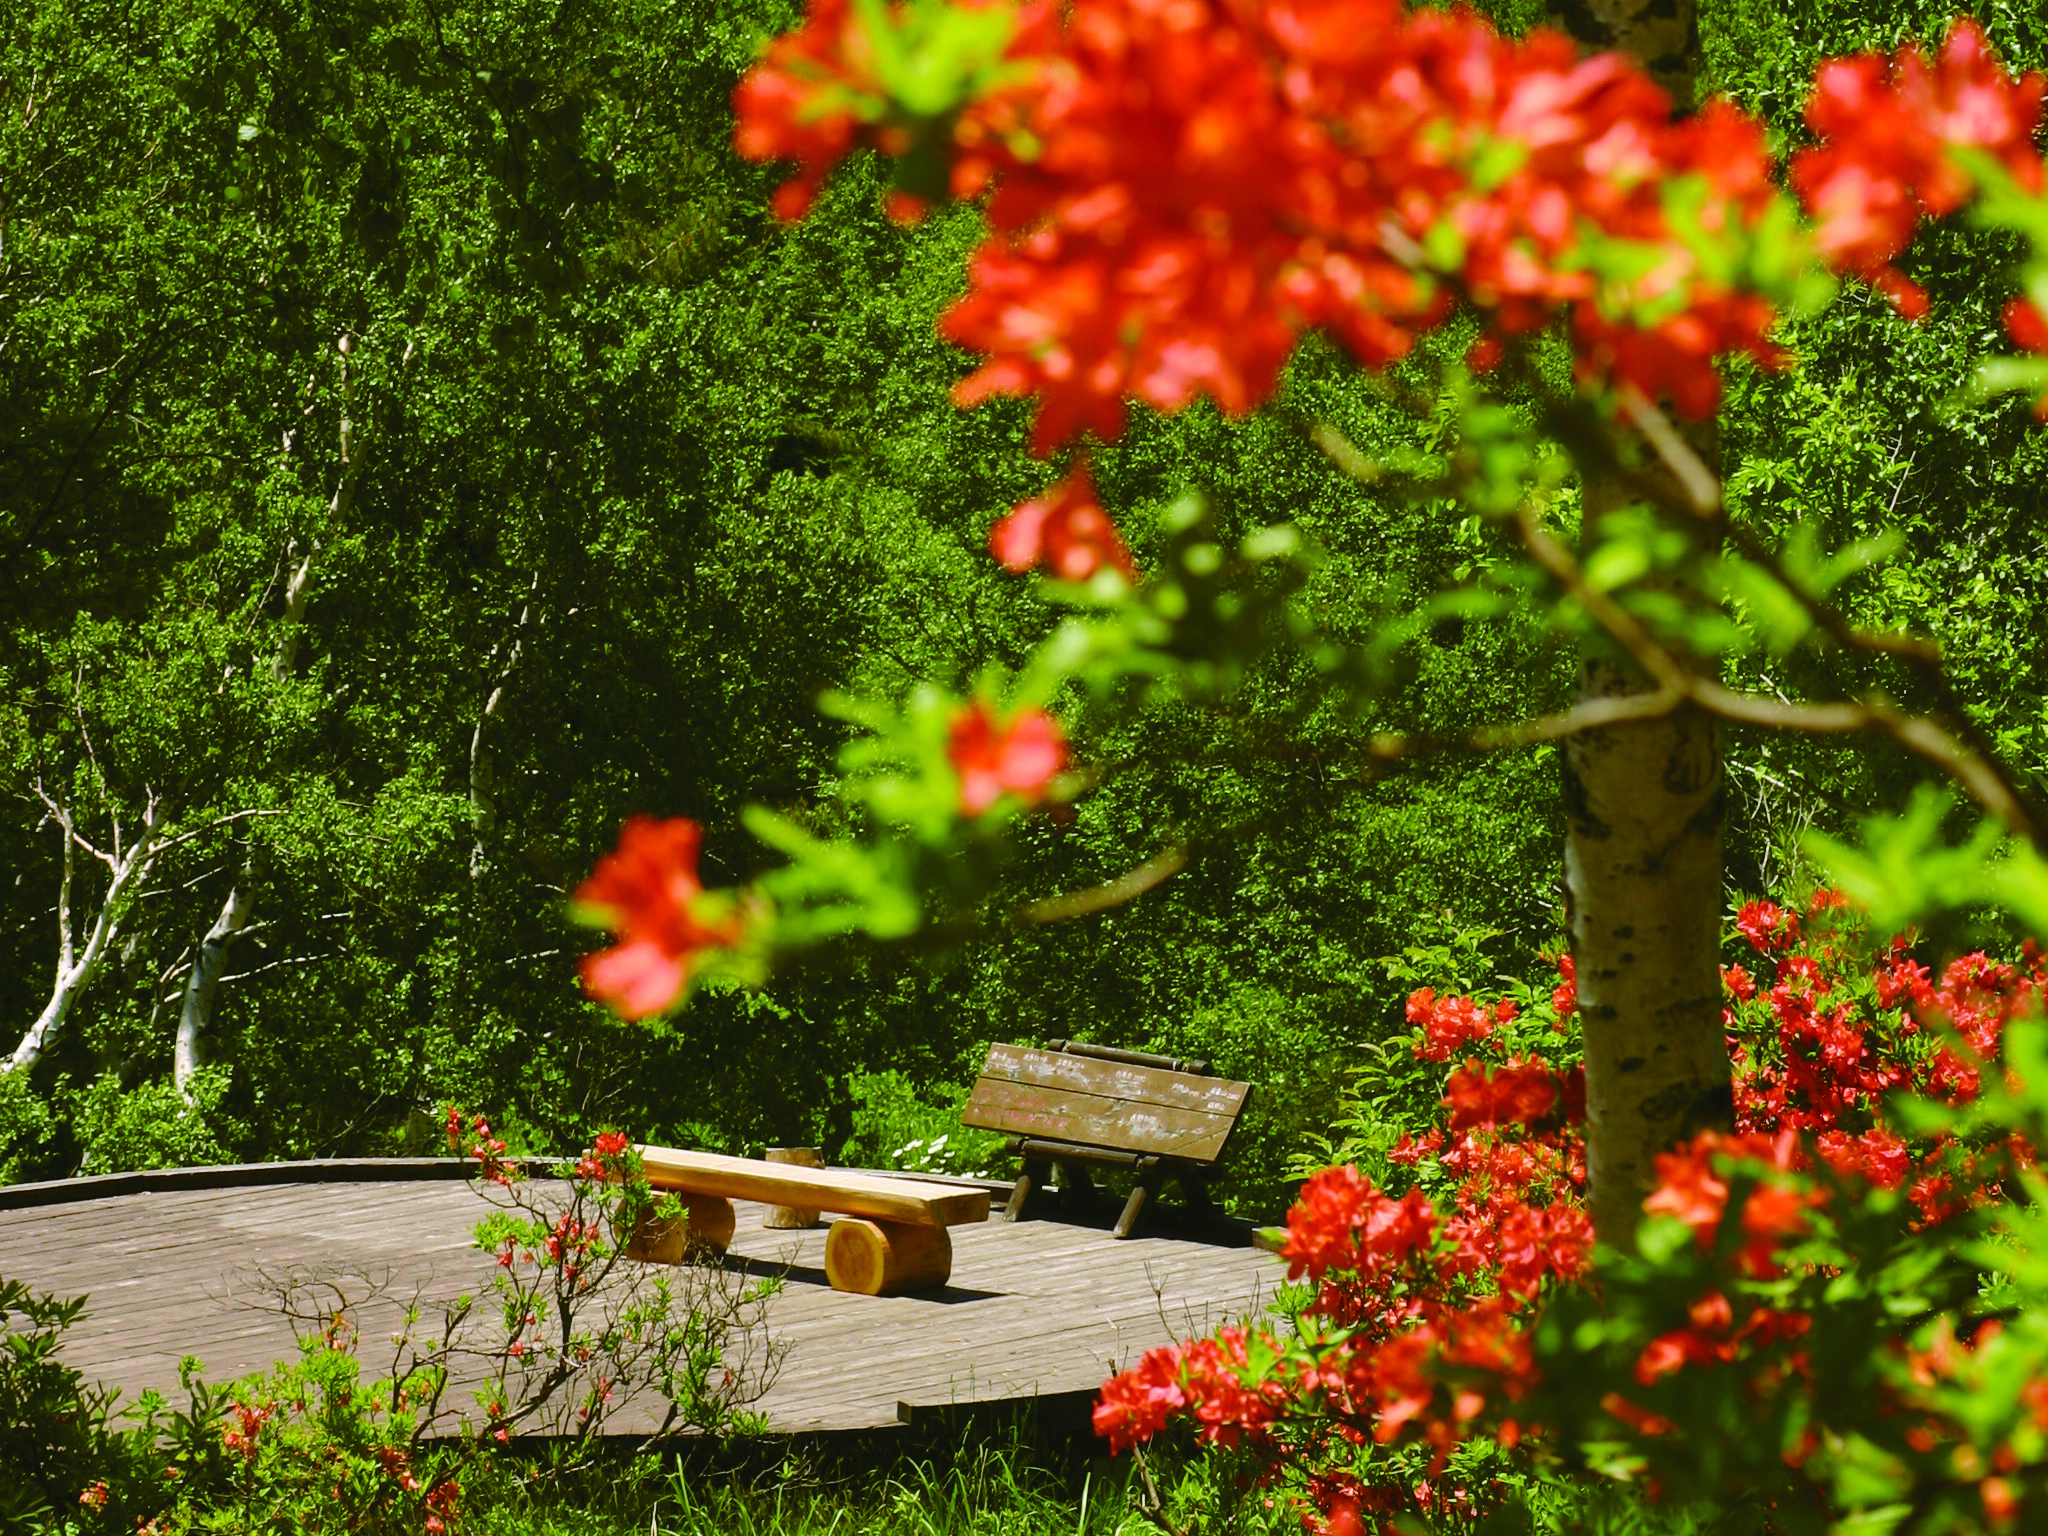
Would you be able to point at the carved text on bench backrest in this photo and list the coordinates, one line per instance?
(1056, 1097)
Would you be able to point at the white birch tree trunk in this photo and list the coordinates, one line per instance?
(1643, 815)
(195, 1013)
(1644, 805)
(76, 968)
(483, 778)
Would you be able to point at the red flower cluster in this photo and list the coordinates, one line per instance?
(1343, 1222)
(1422, 1298)
(1516, 1093)
(1181, 190)
(1564, 997)
(1210, 1379)
(648, 893)
(1417, 1332)
(242, 1429)
(440, 1506)
(1887, 127)
(488, 1150)
(1450, 1024)
(1812, 1055)
(1020, 757)
(820, 93)
(1065, 530)
(1692, 1185)
(396, 1463)
(1768, 926)
(602, 1160)
(1711, 1337)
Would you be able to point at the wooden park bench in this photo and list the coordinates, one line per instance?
(1078, 1106)
(891, 1238)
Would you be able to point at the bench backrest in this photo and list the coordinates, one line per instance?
(838, 1190)
(1118, 1105)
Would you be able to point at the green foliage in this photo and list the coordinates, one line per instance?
(895, 1125)
(150, 1126)
(28, 1125)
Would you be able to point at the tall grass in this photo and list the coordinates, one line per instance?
(1024, 1477)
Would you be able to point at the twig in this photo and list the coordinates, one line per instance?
(1128, 886)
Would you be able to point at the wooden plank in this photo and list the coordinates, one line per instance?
(824, 1189)
(1058, 1112)
(1115, 1080)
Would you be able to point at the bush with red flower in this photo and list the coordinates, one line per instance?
(1831, 1313)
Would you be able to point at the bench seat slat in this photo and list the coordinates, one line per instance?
(838, 1190)
(1093, 1119)
(1115, 1080)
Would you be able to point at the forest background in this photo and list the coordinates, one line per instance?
(419, 450)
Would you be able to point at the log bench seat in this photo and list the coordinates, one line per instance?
(1074, 1106)
(891, 1237)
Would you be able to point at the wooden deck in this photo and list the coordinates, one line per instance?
(1036, 1308)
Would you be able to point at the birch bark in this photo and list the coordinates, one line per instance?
(483, 776)
(1643, 815)
(76, 967)
(1644, 807)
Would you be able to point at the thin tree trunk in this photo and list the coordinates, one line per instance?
(1644, 805)
(195, 1014)
(1661, 35)
(77, 968)
(299, 587)
(483, 778)
(1643, 813)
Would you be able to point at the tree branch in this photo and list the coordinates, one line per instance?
(1126, 887)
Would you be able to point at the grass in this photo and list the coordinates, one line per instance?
(1028, 1474)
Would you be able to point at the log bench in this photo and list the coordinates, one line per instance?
(1079, 1106)
(891, 1236)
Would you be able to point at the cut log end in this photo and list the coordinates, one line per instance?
(789, 1218)
(886, 1258)
(705, 1225)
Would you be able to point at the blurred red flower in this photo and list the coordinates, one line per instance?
(1021, 757)
(648, 893)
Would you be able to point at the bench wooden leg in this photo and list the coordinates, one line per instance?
(1077, 1187)
(1029, 1177)
(886, 1258)
(1142, 1194)
(704, 1225)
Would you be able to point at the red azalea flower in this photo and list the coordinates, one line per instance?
(1449, 1023)
(1065, 530)
(993, 758)
(1886, 127)
(1768, 926)
(648, 893)
(1515, 1093)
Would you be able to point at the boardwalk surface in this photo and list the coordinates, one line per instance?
(1034, 1308)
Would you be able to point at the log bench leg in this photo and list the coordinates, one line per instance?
(1030, 1176)
(886, 1258)
(705, 1225)
(1143, 1193)
(1077, 1187)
